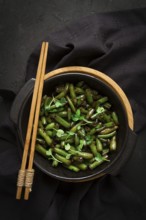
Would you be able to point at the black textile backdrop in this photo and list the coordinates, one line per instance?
(114, 43)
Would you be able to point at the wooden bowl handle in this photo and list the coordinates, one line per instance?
(103, 77)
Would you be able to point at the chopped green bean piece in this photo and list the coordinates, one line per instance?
(60, 152)
(72, 91)
(73, 168)
(55, 163)
(45, 136)
(89, 96)
(40, 150)
(44, 121)
(62, 159)
(109, 124)
(79, 91)
(108, 130)
(107, 135)
(103, 100)
(113, 144)
(99, 145)
(115, 118)
(62, 121)
(63, 114)
(69, 114)
(60, 95)
(93, 149)
(82, 166)
(95, 164)
(90, 113)
(50, 126)
(71, 104)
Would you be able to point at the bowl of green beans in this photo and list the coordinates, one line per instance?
(82, 130)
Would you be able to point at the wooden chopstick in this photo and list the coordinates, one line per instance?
(30, 171)
(21, 174)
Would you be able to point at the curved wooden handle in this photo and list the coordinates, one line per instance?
(105, 78)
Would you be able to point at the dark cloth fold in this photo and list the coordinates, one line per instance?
(115, 44)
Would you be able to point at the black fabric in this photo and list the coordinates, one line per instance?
(115, 44)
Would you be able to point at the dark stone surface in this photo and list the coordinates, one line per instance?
(23, 24)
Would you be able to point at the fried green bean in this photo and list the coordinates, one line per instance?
(53, 109)
(115, 118)
(82, 166)
(60, 95)
(69, 114)
(85, 155)
(55, 163)
(80, 100)
(77, 140)
(103, 100)
(83, 110)
(47, 103)
(107, 105)
(62, 121)
(41, 150)
(62, 159)
(99, 145)
(90, 113)
(95, 164)
(108, 130)
(109, 124)
(45, 136)
(107, 135)
(71, 104)
(49, 133)
(50, 126)
(40, 141)
(81, 133)
(113, 144)
(105, 151)
(66, 87)
(73, 168)
(60, 152)
(72, 91)
(43, 120)
(89, 96)
(78, 159)
(75, 127)
(97, 129)
(63, 114)
(93, 149)
(106, 118)
(79, 91)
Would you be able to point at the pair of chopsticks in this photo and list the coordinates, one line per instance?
(25, 176)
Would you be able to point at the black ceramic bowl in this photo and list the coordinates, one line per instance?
(125, 137)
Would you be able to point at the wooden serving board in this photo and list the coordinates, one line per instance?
(103, 77)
